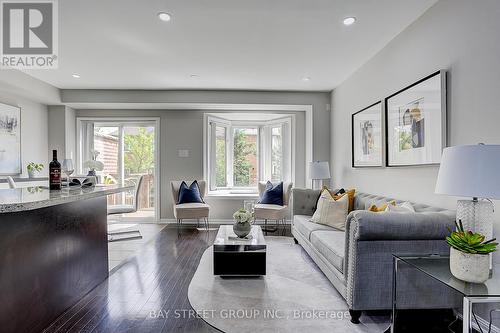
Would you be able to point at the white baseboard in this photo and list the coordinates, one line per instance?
(214, 221)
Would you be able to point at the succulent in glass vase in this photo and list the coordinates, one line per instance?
(470, 254)
(242, 223)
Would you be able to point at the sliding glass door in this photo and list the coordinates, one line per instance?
(128, 150)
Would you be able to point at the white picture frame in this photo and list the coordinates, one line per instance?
(416, 123)
(367, 137)
(10, 140)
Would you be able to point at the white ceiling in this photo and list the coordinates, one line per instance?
(229, 44)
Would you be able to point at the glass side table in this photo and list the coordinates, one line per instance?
(438, 268)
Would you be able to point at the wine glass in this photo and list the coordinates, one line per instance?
(67, 168)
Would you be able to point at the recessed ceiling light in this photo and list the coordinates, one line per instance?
(75, 75)
(165, 17)
(306, 79)
(349, 20)
(194, 76)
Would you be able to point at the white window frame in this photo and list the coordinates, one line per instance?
(264, 128)
(85, 131)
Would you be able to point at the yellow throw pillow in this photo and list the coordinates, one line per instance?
(377, 209)
(350, 193)
(331, 212)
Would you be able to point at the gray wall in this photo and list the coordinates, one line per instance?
(457, 35)
(320, 102)
(460, 36)
(183, 129)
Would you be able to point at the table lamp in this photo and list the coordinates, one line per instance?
(318, 171)
(472, 171)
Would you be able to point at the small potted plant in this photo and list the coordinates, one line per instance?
(242, 226)
(470, 254)
(33, 168)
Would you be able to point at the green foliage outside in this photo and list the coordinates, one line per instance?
(276, 158)
(139, 152)
(220, 167)
(242, 167)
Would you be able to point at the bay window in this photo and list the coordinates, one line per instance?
(240, 153)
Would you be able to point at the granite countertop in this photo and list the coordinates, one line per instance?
(29, 198)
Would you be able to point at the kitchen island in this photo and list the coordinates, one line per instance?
(53, 251)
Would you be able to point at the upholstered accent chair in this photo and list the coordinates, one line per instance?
(275, 213)
(196, 211)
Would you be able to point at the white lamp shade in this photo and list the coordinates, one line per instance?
(319, 170)
(470, 171)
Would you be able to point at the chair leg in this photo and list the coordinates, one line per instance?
(270, 229)
(197, 223)
(206, 223)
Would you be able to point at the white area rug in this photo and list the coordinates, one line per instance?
(294, 296)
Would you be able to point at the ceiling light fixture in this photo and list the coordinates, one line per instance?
(306, 79)
(75, 75)
(165, 17)
(349, 20)
(194, 76)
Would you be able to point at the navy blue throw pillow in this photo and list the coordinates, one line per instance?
(189, 194)
(273, 195)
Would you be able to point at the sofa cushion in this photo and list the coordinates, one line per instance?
(189, 194)
(331, 244)
(273, 194)
(303, 225)
(330, 211)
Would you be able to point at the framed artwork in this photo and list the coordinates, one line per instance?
(416, 122)
(10, 140)
(367, 147)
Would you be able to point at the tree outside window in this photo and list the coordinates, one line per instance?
(245, 157)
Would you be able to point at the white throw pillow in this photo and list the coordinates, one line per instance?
(331, 212)
(405, 207)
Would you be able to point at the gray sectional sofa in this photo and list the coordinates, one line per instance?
(358, 261)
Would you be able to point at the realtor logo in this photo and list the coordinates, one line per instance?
(29, 34)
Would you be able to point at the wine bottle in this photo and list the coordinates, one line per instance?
(54, 172)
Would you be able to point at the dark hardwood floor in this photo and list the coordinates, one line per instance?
(148, 292)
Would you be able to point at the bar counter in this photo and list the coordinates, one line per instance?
(53, 251)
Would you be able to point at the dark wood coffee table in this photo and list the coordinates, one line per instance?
(239, 257)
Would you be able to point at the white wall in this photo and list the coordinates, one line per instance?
(34, 130)
(62, 131)
(459, 36)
